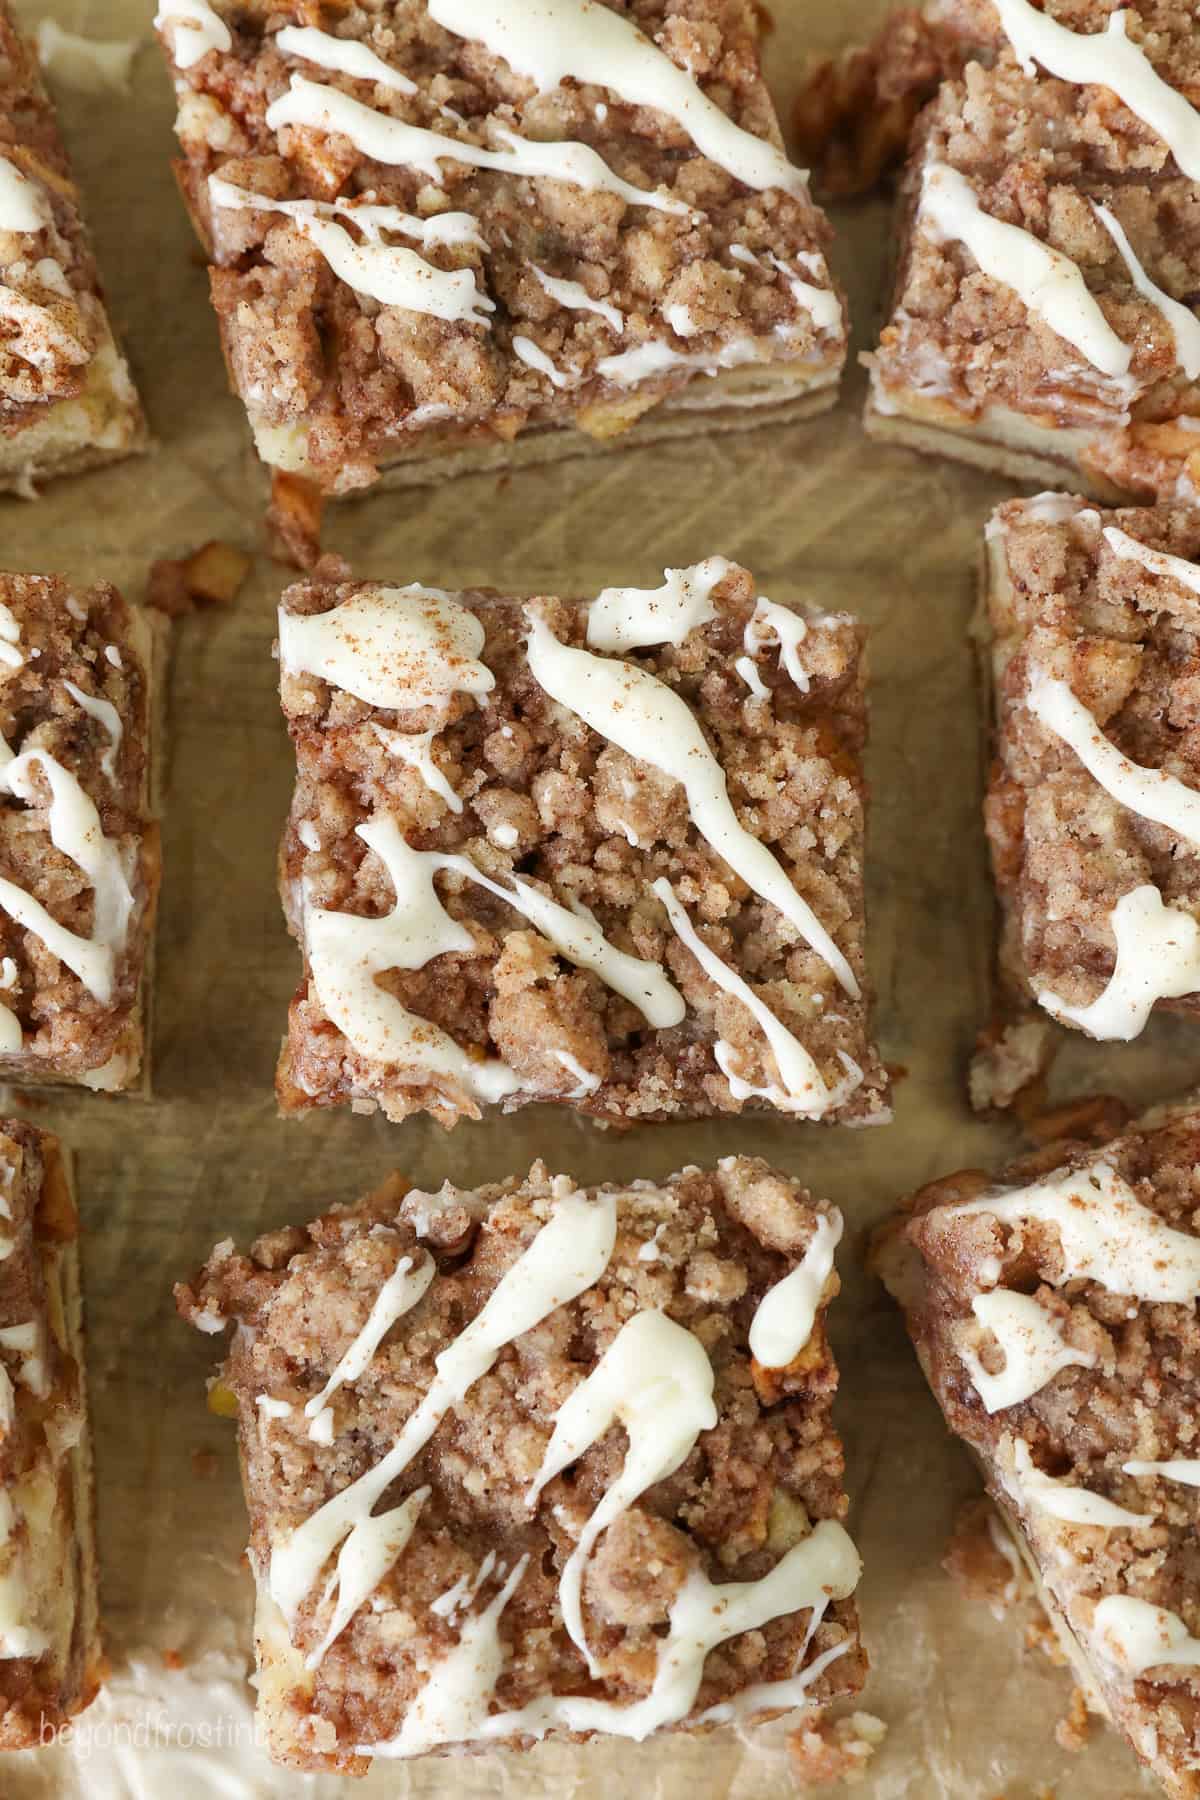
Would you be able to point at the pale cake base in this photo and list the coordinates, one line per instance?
(101, 425)
(1024, 455)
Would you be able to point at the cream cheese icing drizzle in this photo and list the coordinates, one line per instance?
(1048, 283)
(366, 1556)
(824, 1566)
(11, 654)
(1155, 562)
(821, 303)
(643, 717)
(106, 714)
(534, 357)
(386, 140)
(1138, 1636)
(23, 206)
(346, 55)
(416, 749)
(656, 1381)
(805, 1090)
(392, 647)
(460, 229)
(655, 357)
(1185, 327)
(398, 1295)
(390, 273)
(1109, 59)
(1152, 793)
(784, 1318)
(75, 829)
(346, 953)
(573, 295)
(1158, 958)
(1105, 1233)
(567, 1256)
(1062, 1500)
(629, 618)
(1182, 1469)
(452, 1704)
(576, 39)
(198, 29)
(1034, 1349)
(770, 623)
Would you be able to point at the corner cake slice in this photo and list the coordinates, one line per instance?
(66, 399)
(530, 1460)
(50, 1653)
(1093, 803)
(606, 854)
(1042, 322)
(1055, 1316)
(447, 236)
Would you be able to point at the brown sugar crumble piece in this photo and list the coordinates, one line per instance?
(66, 398)
(1093, 803)
(608, 855)
(79, 851)
(530, 1460)
(1055, 1317)
(50, 1652)
(1042, 320)
(446, 237)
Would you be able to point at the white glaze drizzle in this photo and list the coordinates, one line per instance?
(567, 1256)
(1152, 793)
(106, 714)
(452, 1704)
(11, 654)
(655, 357)
(748, 671)
(1049, 284)
(392, 647)
(822, 304)
(534, 357)
(1105, 1233)
(650, 722)
(771, 623)
(784, 1318)
(1155, 562)
(805, 1090)
(416, 749)
(1182, 1469)
(398, 1295)
(586, 1082)
(1034, 1349)
(1185, 327)
(1158, 958)
(629, 618)
(574, 296)
(346, 952)
(272, 1407)
(198, 29)
(1062, 1500)
(345, 55)
(392, 274)
(575, 39)
(1109, 59)
(1138, 1636)
(75, 829)
(824, 1567)
(385, 140)
(23, 206)
(459, 229)
(365, 1559)
(656, 1381)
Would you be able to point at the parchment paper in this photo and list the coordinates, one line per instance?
(813, 510)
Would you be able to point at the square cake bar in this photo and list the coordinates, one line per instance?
(1093, 805)
(605, 854)
(1042, 322)
(79, 853)
(447, 236)
(66, 398)
(1055, 1318)
(533, 1461)
(50, 1652)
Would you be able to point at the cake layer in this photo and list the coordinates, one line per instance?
(533, 1461)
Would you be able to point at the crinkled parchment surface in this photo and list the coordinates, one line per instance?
(814, 510)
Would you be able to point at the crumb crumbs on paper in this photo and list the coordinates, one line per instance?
(982, 1560)
(833, 1750)
(211, 576)
(1073, 1729)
